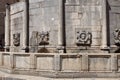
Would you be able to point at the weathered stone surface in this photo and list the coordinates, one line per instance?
(46, 15)
(99, 63)
(71, 63)
(6, 60)
(44, 63)
(113, 18)
(2, 19)
(16, 39)
(58, 21)
(15, 8)
(62, 65)
(24, 64)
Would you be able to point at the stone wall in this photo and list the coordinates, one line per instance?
(83, 25)
(16, 16)
(44, 17)
(114, 18)
(83, 16)
(62, 65)
(2, 21)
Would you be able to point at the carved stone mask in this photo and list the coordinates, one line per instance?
(16, 39)
(43, 38)
(83, 38)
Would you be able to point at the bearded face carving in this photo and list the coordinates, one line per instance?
(16, 39)
(83, 38)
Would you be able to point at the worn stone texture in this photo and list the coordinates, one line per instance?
(40, 19)
(2, 19)
(114, 18)
(71, 63)
(16, 24)
(81, 61)
(47, 65)
(24, 64)
(95, 63)
(6, 61)
(77, 65)
(7, 76)
(79, 15)
(45, 17)
(87, 14)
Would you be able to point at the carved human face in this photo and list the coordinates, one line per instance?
(82, 36)
(16, 39)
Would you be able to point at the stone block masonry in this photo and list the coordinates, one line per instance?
(70, 65)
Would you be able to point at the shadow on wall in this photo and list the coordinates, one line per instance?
(118, 50)
(43, 50)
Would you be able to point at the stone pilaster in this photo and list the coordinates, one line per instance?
(104, 44)
(32, 62)
(25, 25)
(7, 28)
(114, 62)
(61, 27)
(1, 59)
(85, 63)
(11, 60)
(57, 63)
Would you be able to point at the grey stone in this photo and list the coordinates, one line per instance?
(46, 15)
(16, 39)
